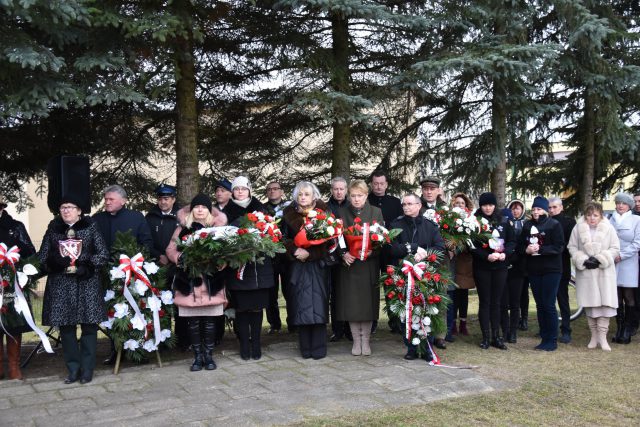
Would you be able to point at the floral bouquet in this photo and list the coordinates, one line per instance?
(266, 225)
(318, 228)
(17, 280)
(202, 250)
(458, 227)
(416, 293)
(496, 242)
(363, 237)
(139, 305)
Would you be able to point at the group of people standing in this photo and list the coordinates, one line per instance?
(325, 283)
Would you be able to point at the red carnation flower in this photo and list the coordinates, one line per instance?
(436, 277)
(375, 237)
(400, 282)
(357, 220)
(252, 217)
(427, 275)
(391, 294)
(5, 283)
(432, 258)
(437, 299)
(401, 296)
(111, 313)
(445, 226)
(390, 270)
(321, 216)
(416, 300)
(484, 245)
(388, 281)
(260, 225)
(142, 304)
(149, 326)
(4, 309)
(430, 300)
(203, 234)
(161, 313)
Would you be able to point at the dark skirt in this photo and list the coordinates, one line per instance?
(256, 299)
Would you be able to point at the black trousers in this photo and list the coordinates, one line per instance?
(313, 340)
(563, 303)
(82, 355)
(524, 298)
(510, 306)
(273, 310)
(461, 303)
(490, 285)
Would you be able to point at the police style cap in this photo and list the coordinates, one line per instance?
(431, 181)
(165, 190)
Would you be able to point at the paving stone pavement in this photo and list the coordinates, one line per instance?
(281, 388)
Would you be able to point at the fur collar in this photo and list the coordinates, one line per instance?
(593, 245)
(59, 226)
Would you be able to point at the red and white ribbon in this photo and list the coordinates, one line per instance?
(11, 257)
(129, 266)
(412, 271)
(365, 241)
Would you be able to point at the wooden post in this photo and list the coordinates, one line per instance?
(116, 368)
(159, 360)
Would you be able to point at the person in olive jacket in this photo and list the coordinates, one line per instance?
(542, 248)
(250, 287)
(490, 264)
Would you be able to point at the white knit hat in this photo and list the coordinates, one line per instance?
(241, 181)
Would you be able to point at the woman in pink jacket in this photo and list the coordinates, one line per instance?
(198, 299)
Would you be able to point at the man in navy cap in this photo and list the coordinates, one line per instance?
(223, 193)
(162, 221)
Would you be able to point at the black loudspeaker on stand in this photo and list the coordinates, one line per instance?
(69, 176)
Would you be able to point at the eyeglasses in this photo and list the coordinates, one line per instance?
(274, 188)
(67, 208)
(409, 204)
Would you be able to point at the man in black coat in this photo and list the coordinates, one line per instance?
(556, 212)
(418, 235)
(162, 221)
(117, 218)
(389, 205)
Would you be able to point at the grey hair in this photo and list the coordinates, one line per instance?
(306, 184)
(414, 195)
(555, 200)
(115, 189)
(338, 179)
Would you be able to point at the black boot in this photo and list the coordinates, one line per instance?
(619, 325)
(625, 338)
(484, 344)
(633, 321)
(524, 324)
(513, 337)
(242, 330)
(256, 330)
(209, 343)
(196, 345)
(497, 341)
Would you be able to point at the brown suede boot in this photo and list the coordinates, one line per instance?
(366, 337)
(356, 331)
(13, 357)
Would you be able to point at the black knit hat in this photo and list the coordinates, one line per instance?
(488, 199)
(72, 199)
(201, 199)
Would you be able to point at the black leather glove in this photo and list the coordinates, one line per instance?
(589, 263)
(56, 262)
(84, 270)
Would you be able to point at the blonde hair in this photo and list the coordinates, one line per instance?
(467, 201)
(359, 184)
(208, 221)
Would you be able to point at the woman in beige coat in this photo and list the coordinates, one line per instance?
(593, 246)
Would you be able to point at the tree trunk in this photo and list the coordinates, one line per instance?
(341, 149)
(187, 174)
(499, 125)
(589, 151)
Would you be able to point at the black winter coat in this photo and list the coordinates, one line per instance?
(481, 250)
(390, 206)
(14, 233)
(418, 232)
(69, 300)
(256, 275)
(334, 206)
(550, 258)
(567, 224)
(124, 220)
(308, 281)
(162, 228)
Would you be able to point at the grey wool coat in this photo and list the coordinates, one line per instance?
(67, 299)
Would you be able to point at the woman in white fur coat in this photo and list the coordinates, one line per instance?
(594, 246)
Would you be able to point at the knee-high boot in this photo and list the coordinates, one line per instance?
(629, 313)
(209, 342)
(593, 327)
(256, 331)
(366, 337)
(242, 329)
(356, 332)
(13, 356)
(619, 323)
(603, 327)
(196, 343)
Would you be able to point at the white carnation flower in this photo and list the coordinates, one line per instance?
(166, 297)
(122, 309)
(116, 274)
(108, 324)
(138, 323)
(149, 346)
(131, 345)
(426, 321)
(415, 341)
(140, 287)
(109, 295)
(165, 334)
(151, 267)
(29, 270)
(330, 230)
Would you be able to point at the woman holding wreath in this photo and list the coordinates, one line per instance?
(198, 299)
(357, 290)
(72, 253)
(307, 275)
